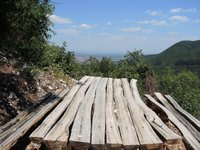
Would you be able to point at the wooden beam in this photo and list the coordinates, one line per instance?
(184, 121)
(147, 137)
(195, 122)
(25, 116)
(168, 135)
(57, 137)
(81, 129)
(24, 113)
(188, 137)
(98, 120)
(113, 138)
(38, 135)
(32, 119)
(127, 130)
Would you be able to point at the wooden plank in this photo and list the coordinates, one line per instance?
(98, 120)
(147, 137)
(81, 129)
(24, 113)
(33, 118)
(24, 118)
(167, 135)
(195, 122)
(184, 121)
(127, 130)
(57, 137)
(113, 138)
(38, 135)
(188, 137)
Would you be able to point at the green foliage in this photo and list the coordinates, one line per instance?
(107, 67)
(25, 27)
(184, 87)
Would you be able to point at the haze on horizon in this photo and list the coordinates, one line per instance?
(113, 27)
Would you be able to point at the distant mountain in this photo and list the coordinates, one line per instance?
(184, 53)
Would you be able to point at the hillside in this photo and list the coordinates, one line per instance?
(184, 53)
(20, 89)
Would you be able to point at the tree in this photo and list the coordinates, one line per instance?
(25, 27)
(107, 67)
(184, 87)
(134, 66)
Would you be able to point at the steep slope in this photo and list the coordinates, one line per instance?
(19, 89)
(181, 53)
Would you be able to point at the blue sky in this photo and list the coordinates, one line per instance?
(115, 26)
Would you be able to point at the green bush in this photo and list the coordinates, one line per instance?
(184, 87)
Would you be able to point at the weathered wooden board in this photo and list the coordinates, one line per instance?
(57, 137)
(21, 116)
(168, 135)
(32, 119)
(38, 135)
(184, 121)
(188, 137)
(127, 130)
(81, 129)
(195, 122)
(147, 137)
(113, 137)
(99, 117)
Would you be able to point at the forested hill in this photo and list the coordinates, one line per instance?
(184, 53)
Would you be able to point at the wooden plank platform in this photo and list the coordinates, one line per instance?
(105, 113)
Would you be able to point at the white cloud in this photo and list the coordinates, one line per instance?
(137, 29)
(68, 31)
(179, 10)
(154, 22)
(153, 12)
(83, 26)
(179, 18)
(59, 20)
(109, 23)
(175, 10)
(197, 21)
